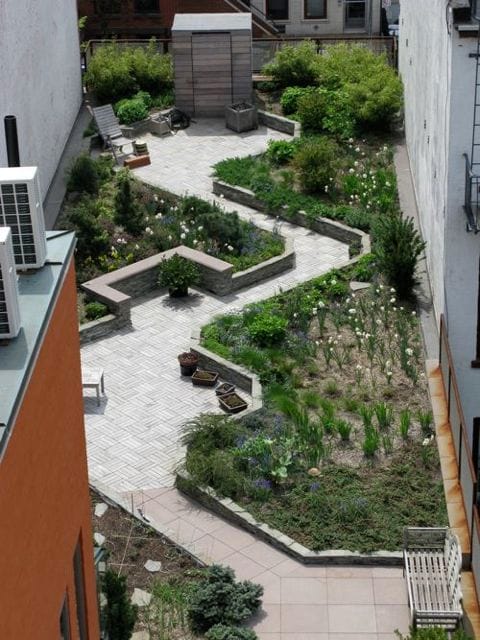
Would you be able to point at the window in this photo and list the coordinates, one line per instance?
(80, 592)
(105, 7)
(146, 6)
(315, 9)
(277, 9)
(476, 362)
(65, 621)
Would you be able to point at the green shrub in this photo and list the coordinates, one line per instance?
(364, 269)
(131, 110)
(119, 615)
(224, 632)
(114, 72)
(83, 176)
(291, 96)
(95, 310)
(281, 151)
(164, 100)
(267, 329)
(128, 211)
(397, 248)
(92, 239)
(370, 89)
(218, 599)
(145, 97)
(311, 109)
(294, 66)
(317, 162)
(178, 273)
(109, 75)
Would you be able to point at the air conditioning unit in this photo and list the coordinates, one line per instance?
(9, 309)
(21, 210)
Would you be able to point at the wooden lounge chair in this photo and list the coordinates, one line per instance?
(109, 129)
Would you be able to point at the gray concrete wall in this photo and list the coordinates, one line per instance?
(439, 79)
(39, 79)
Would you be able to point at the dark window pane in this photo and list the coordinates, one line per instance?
(315, 9)
(146, 6)
(277, 9)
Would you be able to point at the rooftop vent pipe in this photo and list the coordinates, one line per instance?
(11, 138)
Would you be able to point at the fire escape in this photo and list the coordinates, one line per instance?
(258, 17)
(472, 162)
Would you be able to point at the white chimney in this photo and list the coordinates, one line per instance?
(21, 210)
(9, 308)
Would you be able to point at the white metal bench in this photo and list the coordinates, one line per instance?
(433, 562)
(93, 379)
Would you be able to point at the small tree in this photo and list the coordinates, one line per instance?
(119, 615)
(128, 213)
(397, 248)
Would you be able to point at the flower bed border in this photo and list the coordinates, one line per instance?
(117, 288)
(324, 226)
(236, 514)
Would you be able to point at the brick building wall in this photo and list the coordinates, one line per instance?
(44, 496)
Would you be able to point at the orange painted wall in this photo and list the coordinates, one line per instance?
(44, 499)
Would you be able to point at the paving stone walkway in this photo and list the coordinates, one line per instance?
(133, 436)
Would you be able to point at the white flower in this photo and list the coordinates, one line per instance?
(389, 374)
(295, 315)
(355, 164)
(200, 229)
(333, 282)
(414, 313)
(364, 176)
(382, 308)
(392, 290)
(426, 442)
(409, 351)
(162, 201)
(155, 197)
(147, 229)
(358, 367)
(230, 248)
(317, 343)
(387, 184)
(378, 321)
(137, 246)
(158, 216)
(321, 304)
(170, 238)
(183, 236)
(351, 170)
(195, 241)
(392, 300)
(326, 188)
(352, 311)
(221, 195)
(350, 140)
(357, 149)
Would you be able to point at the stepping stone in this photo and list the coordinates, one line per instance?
(100, 509)
(153, 566)
(99, 539)
(141, 635)
(359, 286)
(141, 598)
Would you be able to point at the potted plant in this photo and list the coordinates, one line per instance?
(188, 363)
(204, 378)
(232, 402)
(178, 273)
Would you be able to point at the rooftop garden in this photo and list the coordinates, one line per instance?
(343, 453)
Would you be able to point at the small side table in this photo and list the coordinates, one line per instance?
(93, 379)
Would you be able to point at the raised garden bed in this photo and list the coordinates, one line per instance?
(224, 388)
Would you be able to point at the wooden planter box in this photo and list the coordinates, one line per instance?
(232, 403)
(133, 162)
(243, 118)
(224, 388)
(204, 378)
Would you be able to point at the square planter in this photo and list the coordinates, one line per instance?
(224, 388)
(232, 403)
(204, 378)
(241, 117)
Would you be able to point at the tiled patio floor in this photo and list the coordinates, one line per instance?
(133, 437)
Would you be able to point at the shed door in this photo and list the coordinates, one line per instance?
(212, 73)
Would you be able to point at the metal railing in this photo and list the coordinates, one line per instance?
(472, 197)
(264, 49)
(463, 453)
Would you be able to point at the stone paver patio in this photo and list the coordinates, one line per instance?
(133, 437)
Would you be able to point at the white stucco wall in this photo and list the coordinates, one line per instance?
(332, 25)
(39, 79)
(439, 80)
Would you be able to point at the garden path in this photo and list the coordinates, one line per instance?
(133, 436)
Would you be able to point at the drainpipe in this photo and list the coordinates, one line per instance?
(11, 138)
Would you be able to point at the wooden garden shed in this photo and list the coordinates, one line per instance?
(212, 55)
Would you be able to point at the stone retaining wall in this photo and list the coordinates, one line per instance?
(238, 515)
(100, 328)
(279, 123)
(116, 289)
(324, 226)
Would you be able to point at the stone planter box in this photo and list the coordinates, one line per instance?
(242, 118)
